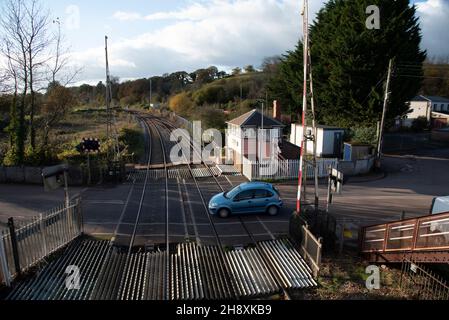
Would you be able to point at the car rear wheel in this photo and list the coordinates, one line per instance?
(273, 210)
(223, 213)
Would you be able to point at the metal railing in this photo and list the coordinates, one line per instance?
(428, 233)
(24, 244)
(422, 284)
(284, 169)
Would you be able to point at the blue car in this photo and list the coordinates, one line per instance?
(249, 197)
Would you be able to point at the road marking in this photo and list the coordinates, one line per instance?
(192, 215)
(125, 206)
(184, 218)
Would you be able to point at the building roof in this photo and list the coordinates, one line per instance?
(253, 118)
(430, 98)
(289, 150)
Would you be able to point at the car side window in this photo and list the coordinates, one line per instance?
(261, 193)
(244, 195)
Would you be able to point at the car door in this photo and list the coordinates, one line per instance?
(261, 200)
(242, 202)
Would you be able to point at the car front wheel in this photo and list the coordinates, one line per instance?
(273, 210)
(223, 213)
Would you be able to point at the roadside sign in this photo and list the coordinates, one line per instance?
(89, 145)
(413, 267)
(347, 233)
(337, 180)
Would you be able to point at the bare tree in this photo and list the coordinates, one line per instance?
(14, 48)
(35, 56)
(59, 100)
(37, 41)
(60, 70)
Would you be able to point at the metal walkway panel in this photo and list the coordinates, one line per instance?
(288, 265)
(51, 282)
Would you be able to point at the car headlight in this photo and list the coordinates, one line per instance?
(213, 205)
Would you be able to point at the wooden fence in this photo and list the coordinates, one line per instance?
(284, 169)
(24, 244)
(310, 246)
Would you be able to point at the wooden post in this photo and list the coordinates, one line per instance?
(88, 169)
(15, 248)
(329, 192)
(384, 113)
(342, 239)
(318, 253)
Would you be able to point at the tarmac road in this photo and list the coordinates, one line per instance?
(410, 185)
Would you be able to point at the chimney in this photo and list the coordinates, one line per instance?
(276, 110)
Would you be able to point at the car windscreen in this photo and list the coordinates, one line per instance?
(231, 194)
(277, 191)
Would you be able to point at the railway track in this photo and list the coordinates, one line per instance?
(195, 180)
(262, 251)
(147, 194)
(207, 191)
(188, 270)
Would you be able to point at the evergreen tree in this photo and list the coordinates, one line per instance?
(350, 62)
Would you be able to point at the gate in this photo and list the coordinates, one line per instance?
(24, 244)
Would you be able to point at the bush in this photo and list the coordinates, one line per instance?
(134, 141)
(210, 95)
(212, 118)
(181, 103)
(420, 124)
(364, 135)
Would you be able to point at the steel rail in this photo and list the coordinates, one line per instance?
(167, 235)
(133, 236)
(197, 186)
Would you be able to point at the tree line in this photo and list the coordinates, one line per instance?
(153, 90)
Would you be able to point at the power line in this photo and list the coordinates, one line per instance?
(415, 76)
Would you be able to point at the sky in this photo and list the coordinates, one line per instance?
(153, 37)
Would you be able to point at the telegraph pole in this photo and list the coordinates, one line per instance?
(314, 132)
(384, 113)
(108, 79)
(151, 91)
(109, 113)
(304, 103)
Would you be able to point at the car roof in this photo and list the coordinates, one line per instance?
(255, 185)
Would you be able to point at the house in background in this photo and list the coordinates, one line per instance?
(434, 109)
(242, 139)
(329, 140)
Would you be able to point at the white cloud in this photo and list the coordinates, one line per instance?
(434, 16)
(126, 16)
(227, 33)
(218, 32)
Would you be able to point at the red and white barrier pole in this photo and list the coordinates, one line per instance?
(304, 103)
